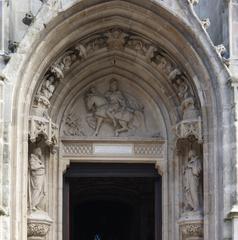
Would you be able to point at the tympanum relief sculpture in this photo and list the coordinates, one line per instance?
(123, 112)
(73, 125)
(112, 109)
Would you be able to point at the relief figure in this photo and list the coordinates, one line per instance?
(116, 102)
(48, 87)
(187, 105)
(113, 107)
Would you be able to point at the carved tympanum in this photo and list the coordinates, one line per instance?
(191, 176)
(121, 111)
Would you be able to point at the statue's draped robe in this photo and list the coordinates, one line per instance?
(191, 183)
(36, 181)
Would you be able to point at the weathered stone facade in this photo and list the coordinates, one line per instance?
(120, 81)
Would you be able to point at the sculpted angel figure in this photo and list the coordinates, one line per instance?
(192, 174)
(188, 105)
(36, 179)
(48, 87)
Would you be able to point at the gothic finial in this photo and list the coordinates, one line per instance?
(193, 2)
(12, 46)
(221, 50)
(206, 23)
(28, 19)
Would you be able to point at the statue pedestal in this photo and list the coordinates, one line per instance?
(38, 225)
(191, 226)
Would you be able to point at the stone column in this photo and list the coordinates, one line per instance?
(4, 168)
(233, 215)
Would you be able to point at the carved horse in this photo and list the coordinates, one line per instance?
(99, 106)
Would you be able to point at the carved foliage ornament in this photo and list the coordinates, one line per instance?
(187, 128)
(192, 230)
(113, 40)
(37, 230)
(38, 225)
(39, 126)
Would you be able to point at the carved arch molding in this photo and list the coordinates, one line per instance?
(125, 113)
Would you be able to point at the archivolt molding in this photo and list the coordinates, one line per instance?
(116, 39)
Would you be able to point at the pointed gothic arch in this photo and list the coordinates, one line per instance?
(160, 34)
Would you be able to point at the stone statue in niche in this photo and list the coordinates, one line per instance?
(120, 110)
(192, 173)
(36, 179)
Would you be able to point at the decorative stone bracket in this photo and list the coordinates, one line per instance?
(45, 127)
(38, 224)
(191, 228)
(188, 128)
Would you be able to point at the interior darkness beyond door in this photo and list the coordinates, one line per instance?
(112, 202)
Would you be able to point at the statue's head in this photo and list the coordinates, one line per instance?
(113, 85)
(191, 154)
(38, 152)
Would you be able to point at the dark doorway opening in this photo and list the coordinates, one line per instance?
(103, 220)
(112, 202)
